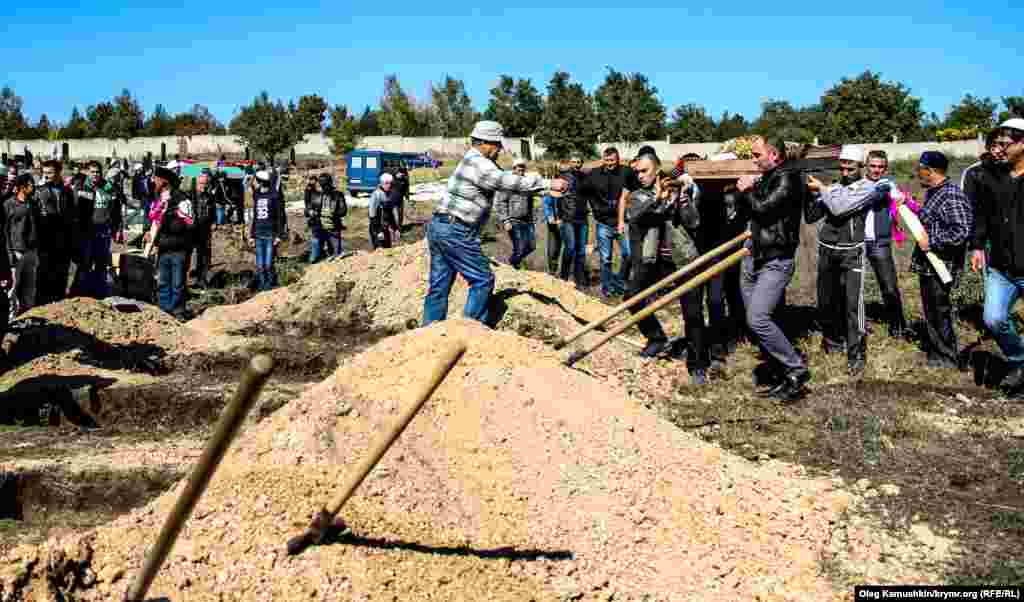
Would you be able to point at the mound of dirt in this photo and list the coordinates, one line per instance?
(521, 479)
(142, 324)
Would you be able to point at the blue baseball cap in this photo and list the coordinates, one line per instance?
(934, 160)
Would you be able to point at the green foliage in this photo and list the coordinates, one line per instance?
(310, 114)
(77, 126)
(266, 127)
(452, 114)
(516, 105)
(98, 116)
(867, 109)
(691, 124)
(126, 118)
(567, 125)
(628, 109)
(12, 122)
(159, 123)
(972, 112)
(1014, 108)
(43, 127)
(949, 134)
(731, 126)
(197, 122)
(780, 119)
(368, 124)
(343, 131)
(398, 115)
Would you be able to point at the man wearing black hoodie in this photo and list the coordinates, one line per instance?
(775, 200)
(22, 234)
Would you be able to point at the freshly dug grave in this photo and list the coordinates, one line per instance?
(519, 480)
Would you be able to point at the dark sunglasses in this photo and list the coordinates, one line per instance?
(846, 169)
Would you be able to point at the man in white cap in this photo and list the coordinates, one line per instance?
(514, 211)
(453, 235)
(999, 225)
(268, 228)
(842, 209)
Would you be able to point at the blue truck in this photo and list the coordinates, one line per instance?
(364, 167)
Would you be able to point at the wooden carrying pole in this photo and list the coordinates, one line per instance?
(917, 231)
(667, 280)
(254, 377)
(325, 517)
(715, 270)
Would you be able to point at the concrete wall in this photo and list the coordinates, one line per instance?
(319, 146)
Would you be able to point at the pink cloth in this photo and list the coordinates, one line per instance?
(156, 210)
(898, 235)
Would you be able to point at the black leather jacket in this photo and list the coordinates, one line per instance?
(775, 203)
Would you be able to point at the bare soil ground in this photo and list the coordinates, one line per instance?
(522, 479)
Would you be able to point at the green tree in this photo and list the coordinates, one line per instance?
(368, 124)
(98, 116)
(12, 121)
(972, 112)
(126, 119)
(690, 123)
(867, 109)
(731, 126)
(397, 115)
(310, 114)
(628, 109)
(516, 105)
(780, 119)
(77, 126)
(43, 127)
(343, 131)
(1014, 108)
(568, 123)
(266, 127)
(197, 122)
(159, 123)
(452, 111)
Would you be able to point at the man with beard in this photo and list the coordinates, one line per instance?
(57, 215)
(604, 188)
(99, 219)
(323, 202)
(1000, 226)
(22, 234)
(658, 219)
(775, 202)
(842, 209)
(575, 228)
(514, 211)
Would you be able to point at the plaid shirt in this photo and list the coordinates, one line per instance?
(473, 184)
(948, 218)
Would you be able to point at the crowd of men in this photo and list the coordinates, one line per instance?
(662, 223)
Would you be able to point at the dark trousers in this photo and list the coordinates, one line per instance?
(882, 262)
(645, 274)
(52, 277)
(940, 325)
(204, 254)
(378, 226)
(841, 298)
(764, 283)
(26, 269)
(553, 248)
(524, 241)
(724, 290)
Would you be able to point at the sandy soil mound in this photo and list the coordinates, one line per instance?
(519, 480)
(142, 324)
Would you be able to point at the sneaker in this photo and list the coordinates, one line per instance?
(766, 377)
(698, 377)
(790, 389)
(654, 349)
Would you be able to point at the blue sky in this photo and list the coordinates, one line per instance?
(728, 57)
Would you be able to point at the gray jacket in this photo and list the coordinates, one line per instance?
(513, 207)
(842, 211)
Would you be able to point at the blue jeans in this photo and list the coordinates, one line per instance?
(264, 263)
(319, 243)
(96, 260)
(455, 249)
(612, 283)
(221, 215)
(574, 252)
(171, 268)
(334, 242)
(524, 242)
(1001, 292)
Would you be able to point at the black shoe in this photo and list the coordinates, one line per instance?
(678, 349)
(1014, 380)
(791, 388)
(856, 366)
(654, 348)
(766, 377)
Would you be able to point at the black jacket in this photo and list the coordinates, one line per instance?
(57, 217)
(176, 235)
(98, 206)
(22, 225)
(603, 188)
(269, 219)
(204, 207)
(999, 221)
(330, 205)
(572, 207)
(775, 204)
(976, 180)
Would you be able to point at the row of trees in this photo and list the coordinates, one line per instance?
(567, 119)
